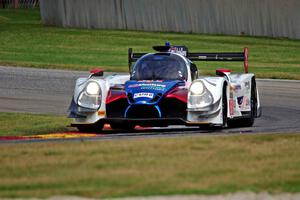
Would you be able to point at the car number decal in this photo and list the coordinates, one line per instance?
(143, 94)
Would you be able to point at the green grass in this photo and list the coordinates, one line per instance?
(17, 124)
(26, 42)
(152, 166)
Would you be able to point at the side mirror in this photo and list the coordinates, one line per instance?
(222, 72)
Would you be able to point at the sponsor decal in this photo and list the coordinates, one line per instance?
(240, 100)
(179, 50)
(158, 87)
(144, 95)
(237, 87)
(133, 86)
(246, 102)
(150, 81)
(231, 107)
(149, 86)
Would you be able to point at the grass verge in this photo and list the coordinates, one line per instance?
(26, 42)
(157, 166)
(17, 124)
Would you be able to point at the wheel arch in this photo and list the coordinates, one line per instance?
(215, 86)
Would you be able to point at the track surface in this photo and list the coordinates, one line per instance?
(50, 92)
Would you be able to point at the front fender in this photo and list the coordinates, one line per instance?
(90, 116)
(210, 113)
(214, 85)
(83, 115)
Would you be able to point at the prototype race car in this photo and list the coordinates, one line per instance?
(163, 89)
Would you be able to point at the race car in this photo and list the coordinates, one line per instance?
(163, 88)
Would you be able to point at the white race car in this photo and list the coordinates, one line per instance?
(163, 89)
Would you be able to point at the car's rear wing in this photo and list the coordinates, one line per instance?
(224, 56)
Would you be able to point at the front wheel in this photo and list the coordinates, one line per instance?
(90, 128)
(224, 106)
(122, 126)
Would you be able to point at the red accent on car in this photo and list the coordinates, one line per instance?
(114, 95)
(224, 70)
(178, 93)
(221, 72)
(97, 72)
(246, 59)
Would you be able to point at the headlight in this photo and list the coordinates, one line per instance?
(200, 101)
(92, 88)
(197, 88)
(91, 96)
(199, 96)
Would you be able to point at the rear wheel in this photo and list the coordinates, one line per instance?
(248, 121)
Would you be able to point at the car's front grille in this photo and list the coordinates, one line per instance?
(142, 111)
(130, 98)
(156, 97)
(117, 108)
(171, 107)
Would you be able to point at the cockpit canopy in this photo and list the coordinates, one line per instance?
(160, 66)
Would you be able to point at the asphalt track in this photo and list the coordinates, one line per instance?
(50, 92)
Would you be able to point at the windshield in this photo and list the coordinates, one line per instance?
(160, 67)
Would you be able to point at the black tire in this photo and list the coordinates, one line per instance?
(249, 121)
(207, 127)
(122, 126)
(224, 106)
(91, 128)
